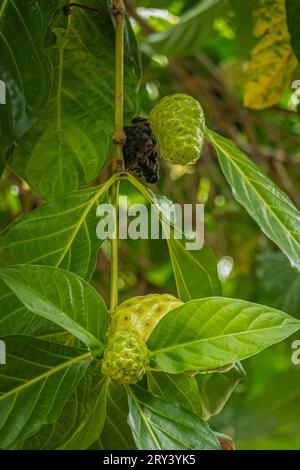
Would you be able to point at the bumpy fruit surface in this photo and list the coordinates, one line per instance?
(126, 358)
(178, 123)
(140, 315)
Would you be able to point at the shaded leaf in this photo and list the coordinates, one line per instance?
(63, 298)
(195, 271)
(191, 32)
(116, 433)
(23, 26)
(268, 205)
(210, 333)
(159, 424)
(35, 384)
(178, 388)
(279, 283)
(216, 389)
(72, 140)
(80, 422)
(293, 14)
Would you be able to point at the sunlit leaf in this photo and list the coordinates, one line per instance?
(63, 298)
(268, 205)
(210, 333)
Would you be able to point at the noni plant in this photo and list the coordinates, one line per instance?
(118, 357)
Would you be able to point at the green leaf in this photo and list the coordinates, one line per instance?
(216, 389)
(264, 201)
(293, 14)
(191, 33)
(81, 421)
(279, 283)
(14, 317)
(63, 298)
(116, 433)
(72, 140)
(243, 12)
(91, 423)
(35, 384)
(179, 388)
(59, 233)
(207, 334)
(159, 424)
(195, 271)
(24, 67)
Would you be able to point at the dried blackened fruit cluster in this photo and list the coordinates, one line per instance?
(140, 151)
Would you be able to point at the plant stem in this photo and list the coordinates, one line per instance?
(114, 269)
(118, 140)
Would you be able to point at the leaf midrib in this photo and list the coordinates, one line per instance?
(253, 187)
(215, 338)
(47, 374)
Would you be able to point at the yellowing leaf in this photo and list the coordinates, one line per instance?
(272, 59)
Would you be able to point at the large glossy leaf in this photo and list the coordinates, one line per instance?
(63, 298)
(265, 202)
(35, 384)
(279, 283)
(72, 140)
(179, 388)
(159, 424)
(116, 433)
(210, 333)
(293, 13)
(24, 68)
(193, 29)
(81, 421)
(273, 62)
(216, 389)
(14, 317)
(60, 233)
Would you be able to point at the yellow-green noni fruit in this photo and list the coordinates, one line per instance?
(178, 124)
(126, 358)
(140, 315)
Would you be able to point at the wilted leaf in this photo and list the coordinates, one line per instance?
(272, 59)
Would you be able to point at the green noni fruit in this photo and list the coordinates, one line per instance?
(141, 314)
(178, 123)
(126, 358)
